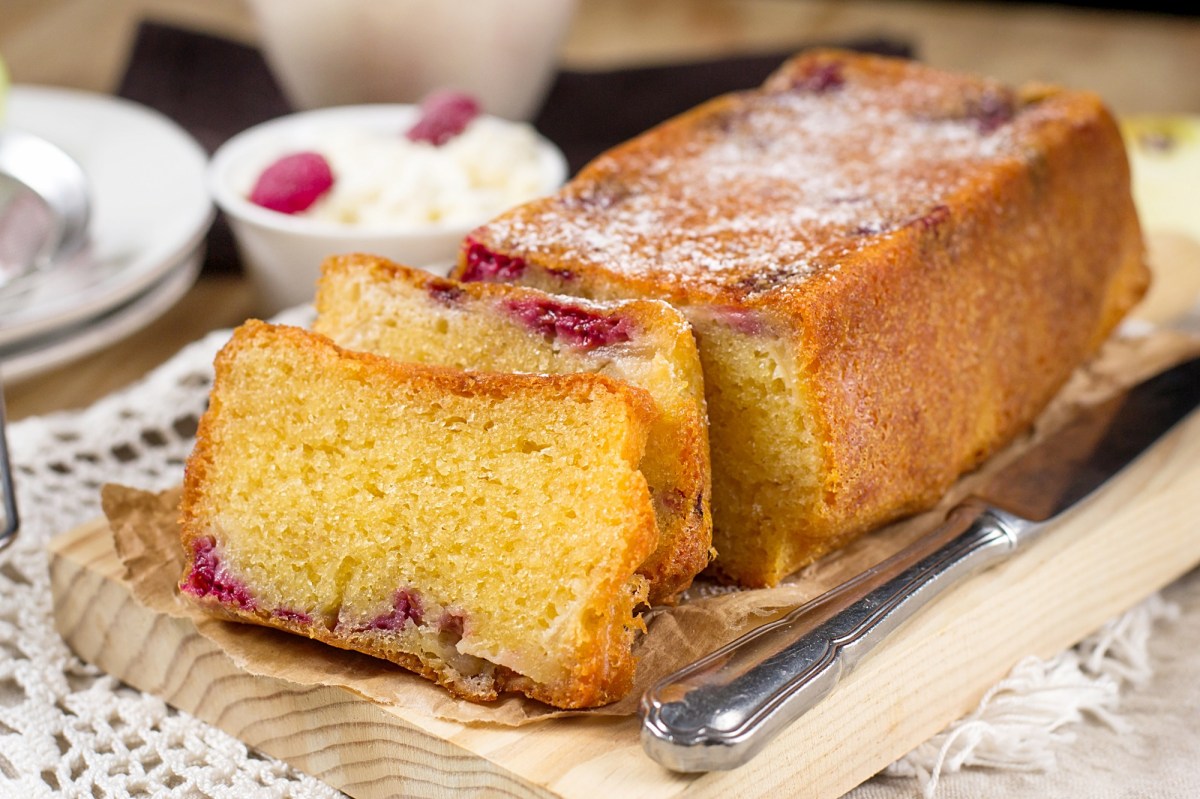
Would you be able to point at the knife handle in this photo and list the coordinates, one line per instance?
(718, 712)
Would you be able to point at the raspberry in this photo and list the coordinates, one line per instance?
(934, 217)
(209, 578)
(743, 320)
(444, 292)
(575, 325)
(452, 622)
(444, 115)
(486, 266)
(287, 614)
(406, 608)
(821, 79)
(992, 111)
(293, 183)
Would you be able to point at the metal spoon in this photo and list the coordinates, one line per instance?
(44, 213)
(8, 494)
(44, 204)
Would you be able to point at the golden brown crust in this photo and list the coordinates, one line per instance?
(476, 691)
(934, 252)
(605, 664)
(957, 353)
(594, 685)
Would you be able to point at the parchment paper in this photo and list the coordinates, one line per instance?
(147, 540)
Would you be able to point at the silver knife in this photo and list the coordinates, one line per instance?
(720, 711)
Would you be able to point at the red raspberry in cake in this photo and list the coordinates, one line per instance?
(293, 183)
(571, 324)
(444, 291)
(992, 111)
(484, 266)
(406, 609)
(932, 218)
(743, 320)
(209, 579)
(821, 78)
(297, 616)
(452, 622)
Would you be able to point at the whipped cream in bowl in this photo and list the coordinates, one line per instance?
(386, 181)
(377, 179)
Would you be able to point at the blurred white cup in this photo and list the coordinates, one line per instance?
(345, 52)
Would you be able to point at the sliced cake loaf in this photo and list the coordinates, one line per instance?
(482, 530)
(890, 270)
(367, 303)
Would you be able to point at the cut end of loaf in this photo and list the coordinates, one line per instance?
(482, 530)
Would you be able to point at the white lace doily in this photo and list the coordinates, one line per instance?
(67, 729)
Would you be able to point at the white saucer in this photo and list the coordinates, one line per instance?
(150, 207)
(42, 353)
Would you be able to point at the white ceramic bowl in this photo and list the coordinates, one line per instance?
(283, 253)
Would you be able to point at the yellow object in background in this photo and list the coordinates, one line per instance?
(1161, 151)
(1164, 155)
(3, 89)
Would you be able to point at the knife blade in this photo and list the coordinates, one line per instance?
(721, 710)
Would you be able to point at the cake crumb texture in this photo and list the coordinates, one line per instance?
(371, 304)
(482, 530)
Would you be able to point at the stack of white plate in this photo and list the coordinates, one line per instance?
(150, 213)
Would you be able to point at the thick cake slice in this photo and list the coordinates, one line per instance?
(482, 530)
(890, 270)
(370, 304)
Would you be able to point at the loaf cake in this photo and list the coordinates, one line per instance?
(890, 270)
(370, 304)
(482, 530)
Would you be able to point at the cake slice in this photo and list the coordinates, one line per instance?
(370, 304)
(482, 530)
(890, 270)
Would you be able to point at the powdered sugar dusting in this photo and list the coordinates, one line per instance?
(782, 182)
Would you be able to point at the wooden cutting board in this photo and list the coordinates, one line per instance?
(1136, 536)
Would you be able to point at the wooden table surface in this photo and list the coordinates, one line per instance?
(1139, 63)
